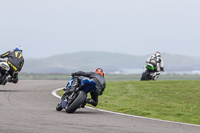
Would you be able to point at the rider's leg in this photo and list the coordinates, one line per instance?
(155, 77)
(94, 100)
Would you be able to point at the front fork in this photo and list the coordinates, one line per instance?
(64, 102)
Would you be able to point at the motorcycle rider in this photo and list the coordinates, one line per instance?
(100, 83)
(15, 60)
(157, 61)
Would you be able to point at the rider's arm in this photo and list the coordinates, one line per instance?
(5, 54)
(103, 88)
(81, 73)
(21, 65)
(147, 61)
(161, 64)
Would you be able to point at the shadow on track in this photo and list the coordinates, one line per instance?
(85, 112)
(80, 112)
(14, 91)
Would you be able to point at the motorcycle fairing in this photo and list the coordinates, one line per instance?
(87, 85)
(150, 66)
(5, 66)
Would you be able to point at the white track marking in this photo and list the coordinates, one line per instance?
(54, 93)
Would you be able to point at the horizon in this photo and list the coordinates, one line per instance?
(110, 53)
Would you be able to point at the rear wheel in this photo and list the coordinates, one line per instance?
(145, 76)
(76, 103)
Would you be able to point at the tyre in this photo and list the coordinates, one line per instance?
(1, 79)
(59, 107)
(145, 76)
(76, 103)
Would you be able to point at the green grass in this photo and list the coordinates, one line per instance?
(168, 100)
(109, 77)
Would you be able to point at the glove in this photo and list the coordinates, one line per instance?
(101, 93)
(73, 74)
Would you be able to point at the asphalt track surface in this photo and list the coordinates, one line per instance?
(29, 107)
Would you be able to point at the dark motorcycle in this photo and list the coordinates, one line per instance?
(148, 73)
(75, 94)
(4, 68)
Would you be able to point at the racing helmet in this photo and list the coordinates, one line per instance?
(18, 48)
(99, 71)
(158, 54)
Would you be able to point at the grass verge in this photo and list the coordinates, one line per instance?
(109, 77)
(168, 100)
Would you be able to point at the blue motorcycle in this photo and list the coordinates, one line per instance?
(75, 94)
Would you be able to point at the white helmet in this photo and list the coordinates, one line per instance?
(18, 48)
(158, 54)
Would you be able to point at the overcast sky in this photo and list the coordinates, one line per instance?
(138, 27)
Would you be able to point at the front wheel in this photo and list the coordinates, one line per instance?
(76, 103)
(59, 107)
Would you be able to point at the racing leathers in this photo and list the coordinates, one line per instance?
(15, 60)
(100, 85)
(157, 62)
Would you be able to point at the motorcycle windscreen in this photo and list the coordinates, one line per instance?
(88, 85)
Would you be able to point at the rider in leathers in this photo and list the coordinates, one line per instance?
(158, 61)
(15, 60)
(98, 78)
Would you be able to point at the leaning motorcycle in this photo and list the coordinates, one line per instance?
(74, 96)
(148, 73)
(4, 68)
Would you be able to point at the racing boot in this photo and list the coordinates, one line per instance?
(91, 101)
(156, 76)
(83, 104)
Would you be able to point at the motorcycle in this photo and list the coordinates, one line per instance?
(149, 72)
(4, 68)
(75, 94)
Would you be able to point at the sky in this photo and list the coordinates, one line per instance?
(138, 27)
